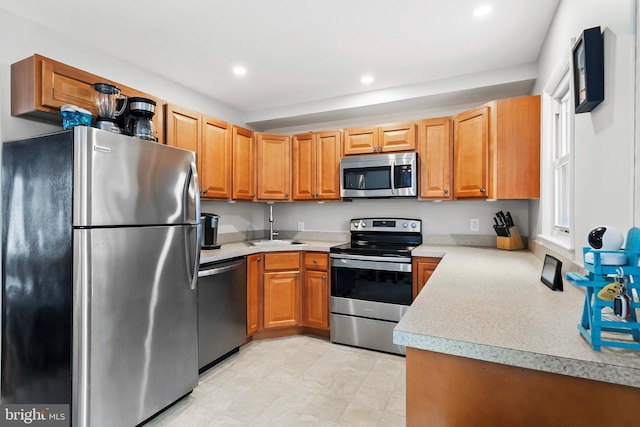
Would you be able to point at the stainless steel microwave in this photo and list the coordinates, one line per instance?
(379, 175)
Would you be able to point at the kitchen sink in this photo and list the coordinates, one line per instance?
(275, 242)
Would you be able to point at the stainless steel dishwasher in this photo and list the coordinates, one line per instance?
(222, 310)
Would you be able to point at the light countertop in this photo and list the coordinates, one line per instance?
(238, 249)
(489, 304)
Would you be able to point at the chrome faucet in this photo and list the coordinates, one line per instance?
(271, 232)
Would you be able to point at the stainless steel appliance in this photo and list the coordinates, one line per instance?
(371, 281)
(110, 104)
(100, 257)
(139, 121)
(222, 310)
(210, 231)
(379, 175)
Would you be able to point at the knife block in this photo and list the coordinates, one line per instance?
(511, 243)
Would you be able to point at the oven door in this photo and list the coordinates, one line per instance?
(373, 288)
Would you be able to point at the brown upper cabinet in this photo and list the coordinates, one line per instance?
(210, 139)
(273, 166)
(380, 139)
(40, 86)
(316, 165)
(435, 154)
(243, 164)
(497, 150)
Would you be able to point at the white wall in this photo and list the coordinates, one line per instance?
(21, 39)
(604, 138)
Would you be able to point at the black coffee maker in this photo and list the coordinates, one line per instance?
(209, 231)
(139, 117)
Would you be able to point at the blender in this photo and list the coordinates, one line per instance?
(107, 97)
(139, 123)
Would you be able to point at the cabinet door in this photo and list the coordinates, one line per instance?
(360, 140)
(254, 293)
(315, 294)
(273, 166)
(471, 153)
(435, 154)
(242, 169)
(423, 268)
(282, 299)
(183, 129)
(397, 137)
(304, 166)
(215, 159)
(328, 152)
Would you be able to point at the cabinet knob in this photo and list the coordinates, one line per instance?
(259, 259)
(317, 194)
(297, 276)
(482, 190)
(375, 148)
(324, 276)
(446, 191)
(315, 261)
(253, 195)
(286, 195)
(204, 191)
(379, 147)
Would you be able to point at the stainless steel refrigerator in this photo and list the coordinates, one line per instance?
(100, 255)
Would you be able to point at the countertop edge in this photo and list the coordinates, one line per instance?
(598, 371)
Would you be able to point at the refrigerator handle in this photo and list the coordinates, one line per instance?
(192, 191)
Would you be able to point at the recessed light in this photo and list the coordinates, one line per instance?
(239, 70)
(483, 10)
(367, 80)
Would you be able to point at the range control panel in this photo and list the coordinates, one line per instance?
(395, 225)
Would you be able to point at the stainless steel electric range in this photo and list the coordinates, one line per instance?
(371, 281)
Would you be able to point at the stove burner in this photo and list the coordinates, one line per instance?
(380, 239)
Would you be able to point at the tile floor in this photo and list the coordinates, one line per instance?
(296, 381)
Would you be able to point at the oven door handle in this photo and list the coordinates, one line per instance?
(370, 264)
(396, 260)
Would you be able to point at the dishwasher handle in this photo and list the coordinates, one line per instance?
(219, 270)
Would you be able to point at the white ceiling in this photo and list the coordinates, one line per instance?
(308, 53)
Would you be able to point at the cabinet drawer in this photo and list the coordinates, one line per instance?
(316, 261)
(282, 261)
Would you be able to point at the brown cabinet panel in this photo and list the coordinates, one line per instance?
(304, 166)
(183, 129)
(282, 295)
(316, 299)
(362, 140)
(328, 153)
(40, 86)
(423, 268)
(273, 166)
(471, 153)
(316, 261)
(215, 159)
(254, 293)
(497, 150)
(435, 154)
(316, 166)
(397, 137)
(282, 261)
(242, 164)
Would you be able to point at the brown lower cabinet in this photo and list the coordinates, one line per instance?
(287, 292)
(423, 268)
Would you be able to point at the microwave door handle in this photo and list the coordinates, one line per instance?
(394, 191)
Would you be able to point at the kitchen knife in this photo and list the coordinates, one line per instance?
(496, 221)
(500, 218)
(510, 220)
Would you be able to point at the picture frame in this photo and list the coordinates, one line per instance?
(588, 70)
(552, 273)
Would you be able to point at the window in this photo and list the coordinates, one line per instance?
(556, 202)
(562, 158)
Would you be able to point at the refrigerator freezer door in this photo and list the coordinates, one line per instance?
(135, 344)
(120, 181)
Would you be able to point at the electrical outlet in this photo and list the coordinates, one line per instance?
(300, 226)
(475, 224)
